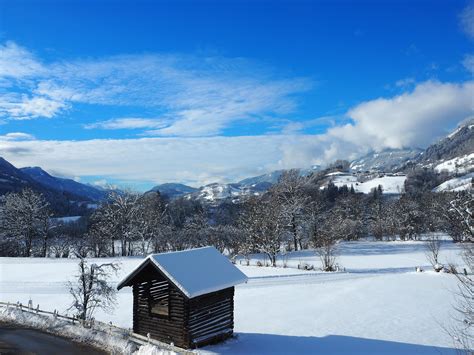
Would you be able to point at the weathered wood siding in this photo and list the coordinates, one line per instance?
(190, 323)
(171, 329)
(211, 317)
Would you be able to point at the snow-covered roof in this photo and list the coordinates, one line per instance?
(195, 272)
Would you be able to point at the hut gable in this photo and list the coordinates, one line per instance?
(195, 272)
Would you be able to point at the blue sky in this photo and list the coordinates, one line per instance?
(146, 92)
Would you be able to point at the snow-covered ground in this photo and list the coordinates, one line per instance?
(456, 184)
(390, 184)
(380, 305)
(458, 164)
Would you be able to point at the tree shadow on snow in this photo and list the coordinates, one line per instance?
(254, 343)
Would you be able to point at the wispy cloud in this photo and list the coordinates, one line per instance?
(467, 19)
(195, 96)
(18, 63)
(17, 136)
(127, 123)
(404, 83)
(468, 63)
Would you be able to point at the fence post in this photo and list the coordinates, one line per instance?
(148, 336)
(30, 304)
(37, 308)
(55, 314)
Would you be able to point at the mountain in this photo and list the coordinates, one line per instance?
(84, 192)
(174, 190)
(386, 160)
(457, 144)
(13, 179)
(216, 192)
(62, 202)
(270, 178)
(66, 197)
(273, 177)
(453, 154)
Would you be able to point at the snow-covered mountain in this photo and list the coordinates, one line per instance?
(86, 192)
(216, 192)
(270, 178)
(458, 144)
(386, 160)
(173, 190)
(274, 176)
(453, 154)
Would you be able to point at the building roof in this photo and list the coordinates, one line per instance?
(195, 272)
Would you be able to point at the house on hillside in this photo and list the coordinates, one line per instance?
(184, 297)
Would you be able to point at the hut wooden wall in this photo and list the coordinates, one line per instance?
(211, 317)
(167, 329)
(191, 323)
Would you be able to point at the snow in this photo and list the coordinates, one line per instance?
(195, 271)
(390, 184)
(113, 342)
(152, 350)
(458, 164)
(66, 220)
(380, 305)
(456, 184)
(453, 133)
(335, 173)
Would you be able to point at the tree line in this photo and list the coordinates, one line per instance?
(294, 214)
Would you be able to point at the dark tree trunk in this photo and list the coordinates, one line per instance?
(295, 234)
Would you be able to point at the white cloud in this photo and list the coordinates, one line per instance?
(192, 160)
(18, 63)
(16, 136)
(414, 118)
(21, 107)
(467, 19)
(127, 123)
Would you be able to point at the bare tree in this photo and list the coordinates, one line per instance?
(463, 332)
(459, 215)
(290, 195)
(263, 226)
(24, 217)
(60, 246)
(91, 291)
(326, 233)
(433, 246)
(148, 221)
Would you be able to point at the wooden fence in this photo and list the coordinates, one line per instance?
(93, 324)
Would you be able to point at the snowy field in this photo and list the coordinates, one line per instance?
(390, 184)
(379, 305)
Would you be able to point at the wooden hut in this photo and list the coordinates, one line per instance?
(185, 297)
